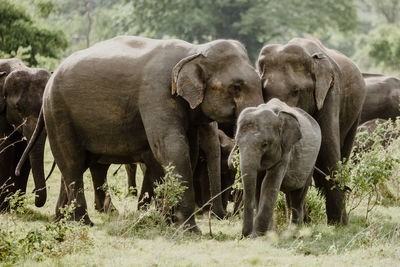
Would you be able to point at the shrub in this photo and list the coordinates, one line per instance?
(50, 240)
(368, 171)
(153, 219)
(168, 192)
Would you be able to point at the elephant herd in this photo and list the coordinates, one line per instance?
(132, 100)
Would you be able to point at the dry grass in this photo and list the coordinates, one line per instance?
(377, 244)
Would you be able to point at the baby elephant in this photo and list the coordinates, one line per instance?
(284, 142)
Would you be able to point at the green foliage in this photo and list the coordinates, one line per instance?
(18, 202)
(252, 22)
(369, 170)
(19, 29)
(385, 46)
(314, 209)
(154, 219)
(50, 240)
(237, 185)
(168, 192)
(315, 206)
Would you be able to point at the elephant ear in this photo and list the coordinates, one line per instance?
(323, 70)
(3, 75)
(188, 80)
(290, 130)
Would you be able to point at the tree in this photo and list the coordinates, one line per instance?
(384, 46)
(253, 22)
(19, 30)
(388, 8)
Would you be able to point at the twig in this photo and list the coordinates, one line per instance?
(195, 212)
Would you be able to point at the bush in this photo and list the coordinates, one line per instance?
(168, 192)
(368, 171)
(314, 208)
(155, 218)
(50, 240)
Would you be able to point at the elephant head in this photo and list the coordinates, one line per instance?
(300, 75)
(219, 80)
(23, 91)
(265, 136)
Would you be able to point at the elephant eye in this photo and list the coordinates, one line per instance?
(265, 144)
(235, 88)
(296, 91)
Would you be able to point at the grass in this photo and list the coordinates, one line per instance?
(112, 242)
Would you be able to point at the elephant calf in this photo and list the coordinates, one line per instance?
(283, 141)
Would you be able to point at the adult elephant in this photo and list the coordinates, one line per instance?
(328, 86)
(383, 97)
(122, 97)
(20, 102)
(206, 163)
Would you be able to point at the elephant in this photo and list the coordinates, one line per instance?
(153, 92)
(369, 127)
(20, 102)
(208, 138)
(201, 174)
(328, 86)
(284, 143)
(383, 97)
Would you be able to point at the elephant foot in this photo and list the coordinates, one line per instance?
(83, 219)
(187, 224)
(256, 234)
(338, 220)
(247, 231)
(74, 217)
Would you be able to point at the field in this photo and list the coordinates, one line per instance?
(130, 238)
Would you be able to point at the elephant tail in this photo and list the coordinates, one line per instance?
(38, 130)
(51, 170)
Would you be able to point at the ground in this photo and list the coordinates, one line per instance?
(112, 242)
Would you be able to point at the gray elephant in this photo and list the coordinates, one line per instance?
(206, 166)
(283, 141)
(365, 142)
(383, 97)
(21, 91)
(328, 86)
(203, 176)
(125, 96)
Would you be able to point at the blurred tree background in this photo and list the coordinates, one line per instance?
(43, 32)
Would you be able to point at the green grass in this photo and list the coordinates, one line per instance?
(114, 242)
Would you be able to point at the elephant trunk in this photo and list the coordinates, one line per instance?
(255, 95)
(249, 164)
(36, 156)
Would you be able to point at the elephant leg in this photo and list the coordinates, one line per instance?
(152, 174)
(102, 198)
(348, 140)
(147, 190)
(328, 157)
(204, 185)
(270, 188)
(211, 146)
(71, 159)
(62, 199)
(172, 147)
(297, 201)
(13, 149)
(197, 184)
(260, 178)
(131, 173)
